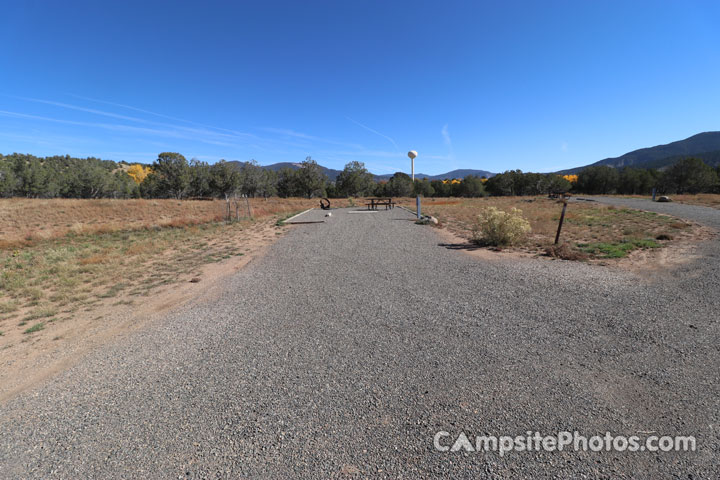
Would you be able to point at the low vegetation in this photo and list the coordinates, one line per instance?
(498, 228)
(29, 221)
(590, 231)
(59, 257)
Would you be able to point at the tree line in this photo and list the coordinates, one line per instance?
(171, 175)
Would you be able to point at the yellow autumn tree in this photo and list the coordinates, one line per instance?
(138, 172)
(571, 178)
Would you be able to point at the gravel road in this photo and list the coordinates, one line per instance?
(344, 350)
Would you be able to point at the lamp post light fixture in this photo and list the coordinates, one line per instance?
(412, 154)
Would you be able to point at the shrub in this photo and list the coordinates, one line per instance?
(498, 228)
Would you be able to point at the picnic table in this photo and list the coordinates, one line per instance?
(373, 203)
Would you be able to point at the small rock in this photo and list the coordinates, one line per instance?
(329, 214)
(194, 280)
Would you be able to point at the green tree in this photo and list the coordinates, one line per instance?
(224, 179)
(93, 180)
(598, 180)
(173, 174)
(8, 181)
(251, 177)
(310, 179)
(31, 175)
(288, 185)
(121, 185)
(400, 185)
(268, 183)
(199, 179)
(501, 184)
(440, 189)
(557, 184)
(355, 180)
(636, 181)
(423, 187)
(471, 186)
(690, 175)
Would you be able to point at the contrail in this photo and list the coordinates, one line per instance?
(232, 134)
(149, 112)
(397, 149)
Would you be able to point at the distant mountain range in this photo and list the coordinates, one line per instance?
(705, 146)
(332, 173)
(462, 173)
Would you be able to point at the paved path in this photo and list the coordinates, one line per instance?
(352, 342)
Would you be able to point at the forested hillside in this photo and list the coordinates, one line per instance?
(705, 146)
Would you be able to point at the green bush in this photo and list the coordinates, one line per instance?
(498, 228)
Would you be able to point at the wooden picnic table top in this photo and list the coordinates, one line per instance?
(375, 202)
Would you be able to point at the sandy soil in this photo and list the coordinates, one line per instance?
(646, 263)
(29, 360)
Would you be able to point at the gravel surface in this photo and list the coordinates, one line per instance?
(352, 342)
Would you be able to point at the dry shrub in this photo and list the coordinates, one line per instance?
(498, 228)
(565, 252)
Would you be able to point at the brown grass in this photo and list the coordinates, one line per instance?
(28, 221)
(65, 256)
(585, 224)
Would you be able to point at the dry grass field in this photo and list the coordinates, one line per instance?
(58, 255)
(69, 265)
(591, 230)
(27, 221)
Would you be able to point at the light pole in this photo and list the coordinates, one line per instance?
(412, 154)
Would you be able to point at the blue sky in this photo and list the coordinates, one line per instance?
(538, 86)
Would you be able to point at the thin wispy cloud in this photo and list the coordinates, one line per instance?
(445, 132)
(446, 136)
(159, 115)
(305, 136)
(150, 131)
(196, 131)
(120, 128)
(83, 109)
(390, 139)
(366, 153)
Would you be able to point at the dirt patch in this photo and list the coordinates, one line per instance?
(682, 250)
(591, 231)
(453, 241)
(678, 250)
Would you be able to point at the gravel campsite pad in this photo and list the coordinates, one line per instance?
(352, 342)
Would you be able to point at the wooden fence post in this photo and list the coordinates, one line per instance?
(562, 218)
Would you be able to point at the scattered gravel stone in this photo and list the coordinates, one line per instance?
(351, 343)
